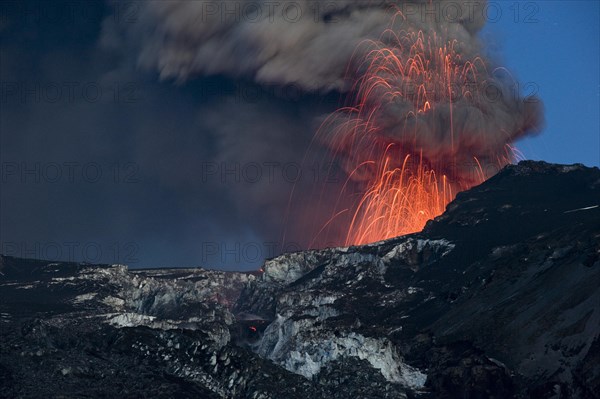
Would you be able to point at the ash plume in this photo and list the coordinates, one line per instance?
(314, 44)
(321, 47)
(306, 42)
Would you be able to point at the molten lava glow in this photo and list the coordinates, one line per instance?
(399, 201)
(402, 190)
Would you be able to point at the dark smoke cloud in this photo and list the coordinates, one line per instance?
(320, 46)
(194, 64)
(313, 44)
(166, 135)
(306, 42)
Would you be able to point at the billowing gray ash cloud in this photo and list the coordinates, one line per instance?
(320, 47)
(307, 43)
(218, 87)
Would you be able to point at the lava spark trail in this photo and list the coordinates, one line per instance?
(410, 164)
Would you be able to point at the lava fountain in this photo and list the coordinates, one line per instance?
(423, 123)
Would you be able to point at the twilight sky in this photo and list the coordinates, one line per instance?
(102, 161)
(557, 51)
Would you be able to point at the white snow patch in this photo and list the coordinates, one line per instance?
(413, 290)
(378, 352)
(61, 279)
(114, 302)
(497, 362)
(324, 300)
(570, 168)
(498, 252)
(401, 249)
(303, 364)
(292, 345)
(130, 320)
(84, 297)
(583, 209)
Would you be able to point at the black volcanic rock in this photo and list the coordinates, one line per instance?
(499, 297)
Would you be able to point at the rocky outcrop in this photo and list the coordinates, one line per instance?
(498, 297)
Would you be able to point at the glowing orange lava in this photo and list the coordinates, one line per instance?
(424, 74)
(400, 201)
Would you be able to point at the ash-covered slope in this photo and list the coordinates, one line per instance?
(498, 297)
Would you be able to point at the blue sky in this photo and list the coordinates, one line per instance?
(554, 46)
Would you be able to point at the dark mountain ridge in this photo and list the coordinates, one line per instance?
(498, 297)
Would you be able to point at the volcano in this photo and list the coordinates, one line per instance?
(498, 297)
